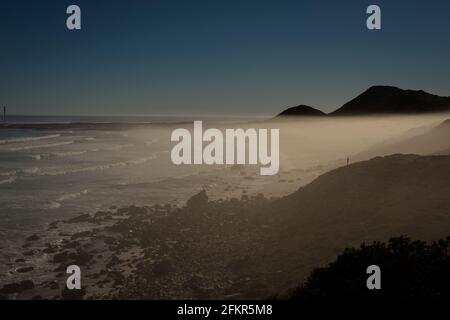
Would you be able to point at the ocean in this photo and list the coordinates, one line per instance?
(49, 175)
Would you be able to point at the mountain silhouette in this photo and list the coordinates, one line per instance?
(393, 100)
(301, 110)
(381, 100)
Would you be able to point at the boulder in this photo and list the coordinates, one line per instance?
(163, 267)
(34, 237)
(25, 269)
(200, 200)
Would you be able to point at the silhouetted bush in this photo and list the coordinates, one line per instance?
(410, 270)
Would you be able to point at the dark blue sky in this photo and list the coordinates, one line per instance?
(227, 56)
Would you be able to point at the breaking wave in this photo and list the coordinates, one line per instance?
(27, 139)
(9, 180)
(69, 196)
(57, 154)
(50, 145)
(77, 153)
(8, 173)
(46, 172)
(118, 147)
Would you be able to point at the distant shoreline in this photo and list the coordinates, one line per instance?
(116, 122)
(87, 125)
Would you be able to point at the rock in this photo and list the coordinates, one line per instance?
(26, 285)
(81, 218)
(34, 237)
(113, 261)
(81, 257)
(37, 297)
(163, 267)
(101, 214)
(81, 234)
(133, 210)
(199, 200)
(54, 285)
(196, 284)
(10, 288)
(53, 225)
(74, 294)
(116, 277)
(60, 257)
(61, 268)
(25, 269)
(71, 244)
(122, 211)
(20, 260)
(49, 250)
(17, 287)
(233, 295)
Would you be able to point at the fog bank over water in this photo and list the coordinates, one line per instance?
(52, 172)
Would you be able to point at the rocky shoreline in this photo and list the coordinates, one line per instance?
(247, 248)
(200, 251)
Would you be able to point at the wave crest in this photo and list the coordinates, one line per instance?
(28, 139)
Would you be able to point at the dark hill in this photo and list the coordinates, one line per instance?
(365, 201)
(301, 110)
(393, 100)
(397, 191)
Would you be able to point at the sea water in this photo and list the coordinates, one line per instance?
(54, 175)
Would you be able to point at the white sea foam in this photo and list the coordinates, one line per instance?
(54, 205)
(150, 142)
(76, 153)
(9, 180)
(8, 173)
(118, 147)
(27, 139)
(58, 154)
(69, 196)
(50, 145)
(69, 170)
(33, 170)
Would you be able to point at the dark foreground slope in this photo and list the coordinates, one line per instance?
(409, 271)
(248, 248)
(366, 201)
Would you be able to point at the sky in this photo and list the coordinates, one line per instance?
(215, 56)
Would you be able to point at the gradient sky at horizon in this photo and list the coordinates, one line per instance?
(215, 56)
